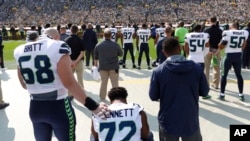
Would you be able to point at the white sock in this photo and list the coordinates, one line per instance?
(240, 94)
(222, 94)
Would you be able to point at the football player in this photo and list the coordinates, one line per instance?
(113, 30)
(127, 36)
(143, 35)
(234, 41)
(160, 34)
(44, 69)
(125, 122)
(195, 44)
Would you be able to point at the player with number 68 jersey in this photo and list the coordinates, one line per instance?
(44, 69)
(195, 44)
(44, 55)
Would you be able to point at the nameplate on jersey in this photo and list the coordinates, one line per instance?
(33, 47)
(197, 36)
(120, 113)
(238, 33)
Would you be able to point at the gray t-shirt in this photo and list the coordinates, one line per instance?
(107, 53)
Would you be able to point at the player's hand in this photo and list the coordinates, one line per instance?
(217, 52)
(73, 64)
(102, 111)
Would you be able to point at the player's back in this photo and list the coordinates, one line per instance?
(196, 43)
(38, 64)
(113, 34)
(143, 35)
(127, 34)
(161, 33)
(123, 123)
(235, 40)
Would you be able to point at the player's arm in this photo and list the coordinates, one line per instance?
(156, 38)
(186, 49)
(222, 44)
(122, 36)
(116, 36)
(137, 42)
(68, 80)
(93, 132)
(244, 45)
(145, 127)
(207, 44)
(79, 58)
(96, 57)
(20, 77)
(134, 35)
(176, 34)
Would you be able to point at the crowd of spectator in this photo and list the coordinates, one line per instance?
(39, 12)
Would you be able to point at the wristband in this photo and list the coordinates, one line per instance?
(91, 104)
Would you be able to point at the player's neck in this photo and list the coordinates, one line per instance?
(119, 101)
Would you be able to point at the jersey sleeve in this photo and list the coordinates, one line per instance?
(16, 53)
(224, 37)
(246, 34)
(62, 48)
(206, 37)
(137, 107)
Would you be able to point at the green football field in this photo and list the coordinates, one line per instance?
(10, 45)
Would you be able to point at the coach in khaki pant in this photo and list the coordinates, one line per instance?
(215, 36)
(106, 55)
(77, 53)
(216, 68)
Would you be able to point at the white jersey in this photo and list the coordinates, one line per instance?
(68, 32)
(234, 40)
(28, 32)
(161, 32)
(113, 34)
(38, 64)
(123, 123)
(127, 34)
(143, 35)
(196, 43)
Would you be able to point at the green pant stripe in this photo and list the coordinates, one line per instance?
(71, 120)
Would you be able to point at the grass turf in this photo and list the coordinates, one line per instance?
(10, 45)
